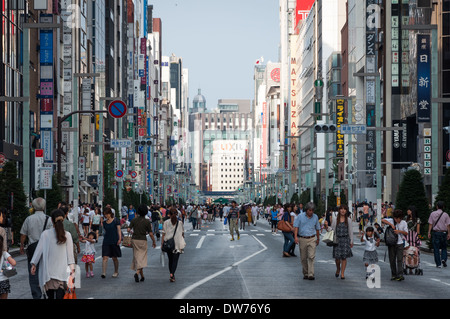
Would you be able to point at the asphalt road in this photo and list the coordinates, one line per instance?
(213, 267)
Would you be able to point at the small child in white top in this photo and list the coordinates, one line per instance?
(89, 253)
(5, 261)
(372, 241)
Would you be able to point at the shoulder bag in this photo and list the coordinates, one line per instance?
(169, 244)
(435, 223)
(282, 224)
(32, 247)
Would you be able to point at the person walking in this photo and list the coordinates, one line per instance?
(396, 251)
(6, 226)
(155, 218)
(288, 235)
(372, 241)
(87, 217)
(131, 213)
(70, 227)
(439, 233)
(140, 227)
(96, 221)
(54, 254)
(233, 217)
(242, 217)
(3, 232)
(5, 286)
(306, 235)
(255, 213)
(274, 219)
(173, 228)
(111, 242)
(89, 253)
(343, 230)
(32, 228)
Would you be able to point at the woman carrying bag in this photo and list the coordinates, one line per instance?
(288, 232)
(54, 254)
(173, 228)
(343, 230)
(141, 226)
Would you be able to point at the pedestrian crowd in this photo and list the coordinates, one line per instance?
(53, 242)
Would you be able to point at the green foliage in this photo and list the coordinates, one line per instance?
(332, 199)
(444, 190)
(16, 204)
(108, 179)
(295, 199)
(412, 193)
(133, 198)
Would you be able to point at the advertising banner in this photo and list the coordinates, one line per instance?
(340, 109)
(423, 78)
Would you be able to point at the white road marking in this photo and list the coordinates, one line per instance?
(188, 289)
(200, 242)
(440, 281)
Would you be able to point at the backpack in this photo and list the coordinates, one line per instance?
(390, 237)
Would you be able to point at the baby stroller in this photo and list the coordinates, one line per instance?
(411, 254)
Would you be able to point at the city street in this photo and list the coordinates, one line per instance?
(213, 267)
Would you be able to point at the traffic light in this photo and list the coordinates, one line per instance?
(325, 128)
(143, 143)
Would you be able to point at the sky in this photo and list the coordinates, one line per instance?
(219, 42)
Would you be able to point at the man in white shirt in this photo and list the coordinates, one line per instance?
(255, 211)
(396, 251)
(32, 228)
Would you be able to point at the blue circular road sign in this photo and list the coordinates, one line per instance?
(117, 109)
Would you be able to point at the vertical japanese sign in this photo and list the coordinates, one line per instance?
(46, 87)
(340, 106)
(423, 78)
(373, 23)
(293, 116)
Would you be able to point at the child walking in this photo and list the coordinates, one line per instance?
(372, 241)
(5, 257)
(89, 253)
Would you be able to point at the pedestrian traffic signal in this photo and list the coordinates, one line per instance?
(325, 128)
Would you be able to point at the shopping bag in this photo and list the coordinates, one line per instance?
(328, 237)
(127, 241)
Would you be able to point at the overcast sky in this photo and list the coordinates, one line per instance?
(219, 42)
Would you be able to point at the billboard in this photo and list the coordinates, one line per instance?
(302, 10)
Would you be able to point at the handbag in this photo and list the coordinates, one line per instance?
(330, 238)
(127, 241)
(169, 244)
(282, 225)
(70, 294)
(6, 268)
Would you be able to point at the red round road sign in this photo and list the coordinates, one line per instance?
(117, 109)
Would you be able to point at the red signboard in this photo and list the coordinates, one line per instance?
(38, 153)
(302, 10)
